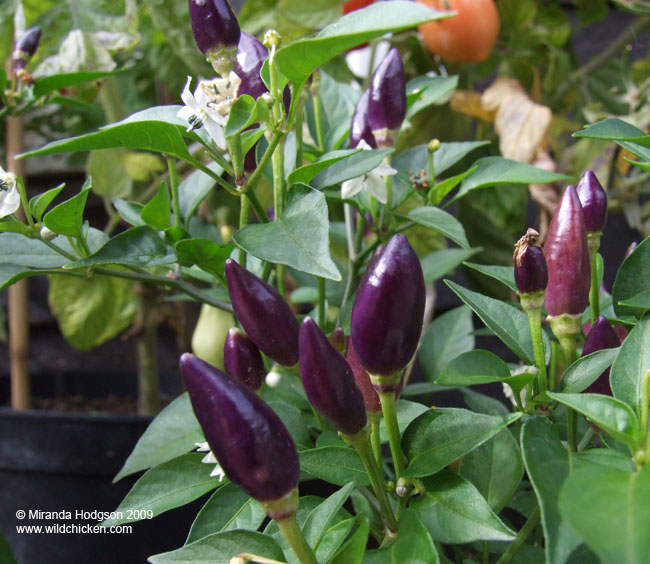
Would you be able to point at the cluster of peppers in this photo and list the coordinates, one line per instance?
(563, 277)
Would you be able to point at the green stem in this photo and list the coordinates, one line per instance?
(586, 439)
(257, 206)
(291, 531)
(321, 302)
(520, 539)
(20, 185)
(392, 428)
(594, 290)
(266, 157)
(173, 184)
(237, 158)
(318, 118)
(554, 361)
(146, 342)
(361, 443)
(535, 323)
(244, 214)
(645, 407)
(568, 344)
(375, 440)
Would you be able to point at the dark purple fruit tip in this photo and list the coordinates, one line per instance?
(329, 382)
(215, 27)
(264, 314)
(567, 258)
(360, 127)
(242, 360)
(249, 440)
(25, 47)
(389, 308)
(601, 336)
(251, 54)
(387, 104)
(531, 274)
(594, 202)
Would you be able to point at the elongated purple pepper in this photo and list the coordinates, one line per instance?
(362, 378)
(249, 440)
(389, 308)
(264, 315)
(531, 273)
(216, 32)
(567, 258)
(251, 54)
(387, 103)
(601, 336)
(360, 127)
(329, 381)
(25, 48)
(242, 360)
(594, 202)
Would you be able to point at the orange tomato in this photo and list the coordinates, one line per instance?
(467, 37)
(353, 5)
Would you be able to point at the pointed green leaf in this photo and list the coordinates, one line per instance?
(631, 280)
(440, 436)
(614, 129)
(353, 550)
(586, 370)
(157, 212)
(67, 217)
(441, 221)
(206, 254)
(245, 112)
(352, 166)
(299, 238)
(173, 432)
(504, 274)
(333, 539)
(337, 465)
(319, 519)
(47, 84)
(453, 511)
(39, 204)
(437, 88)
(444, 158)
(441, 189)
(305, 173)
(439, 263)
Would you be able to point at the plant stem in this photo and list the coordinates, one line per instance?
(568, 344)
(321, 302)
(173, 184)
(244, 214)
(318, 118)
(645, 407)
(594, 290)
(291, 531)
(375, 440)
(521, 537)
(149, 390)
(237, 158)
(392, 428)
(535, 322)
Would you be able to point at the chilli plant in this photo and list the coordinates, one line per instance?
(332, 304)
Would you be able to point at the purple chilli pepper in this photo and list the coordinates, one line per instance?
(25, 48)
(360, 126)
(216, 32)
(264, 315)
(387, 103)
(249, 440)
(251, 54)
(601, 336)
(362, 378)
(388, 310)
(329, 382)
(242, 360)
(567, 257)
(594, 202)
(531, 273)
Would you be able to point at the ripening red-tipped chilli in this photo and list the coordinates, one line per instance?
(264, 314)
(249, 440)
(214, 25)
(567, 258)
(531, 273)
(360, 127)
(329, 382)
(25, 47)
(601, 336)
(594, 202)
(389, 308)
(387, 103)
(242, 360)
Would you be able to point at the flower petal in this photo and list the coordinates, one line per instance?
(384, 170)
(376, 187)
(362, 144)
(9, 201)
(216, 132)
(187, 97)
(351, 188)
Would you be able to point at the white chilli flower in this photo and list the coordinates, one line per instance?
(9, 195)
(210, 458)
(372, 182)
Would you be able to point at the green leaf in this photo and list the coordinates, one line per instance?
(338, 101)
(293, 421)
(447, 337)
(444, 158)
(440, 190)
(440, 436)
(11, 225)
(206, 254)
(299, 238)
(507, 322)
(91, 310)
(481, 403)
(173, 432)
(353, 550)
(493, 171)
(220, 548)
(547, 465)
(353, 166)
(228, 508)
(439, 263)
(320, 518)
(610, 414)
(406, 411)
(336, 465)
(305, 173)
(609, 509)
(441, 221)
(245, 112)
(194, 189)
(504, 274)
(47, 84)
(5, 550)
(138, 246)
(615, 130)
(437, 88)
(586, 370)
(640, 301)
(157, 212)
(608, 458)
(39, 203)
(129, 211)
(630, 365)
(495, 468)
(67, 217)
(453, 511)
(300, 58)
(631, 280)
(166, 486)
(333, 539)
